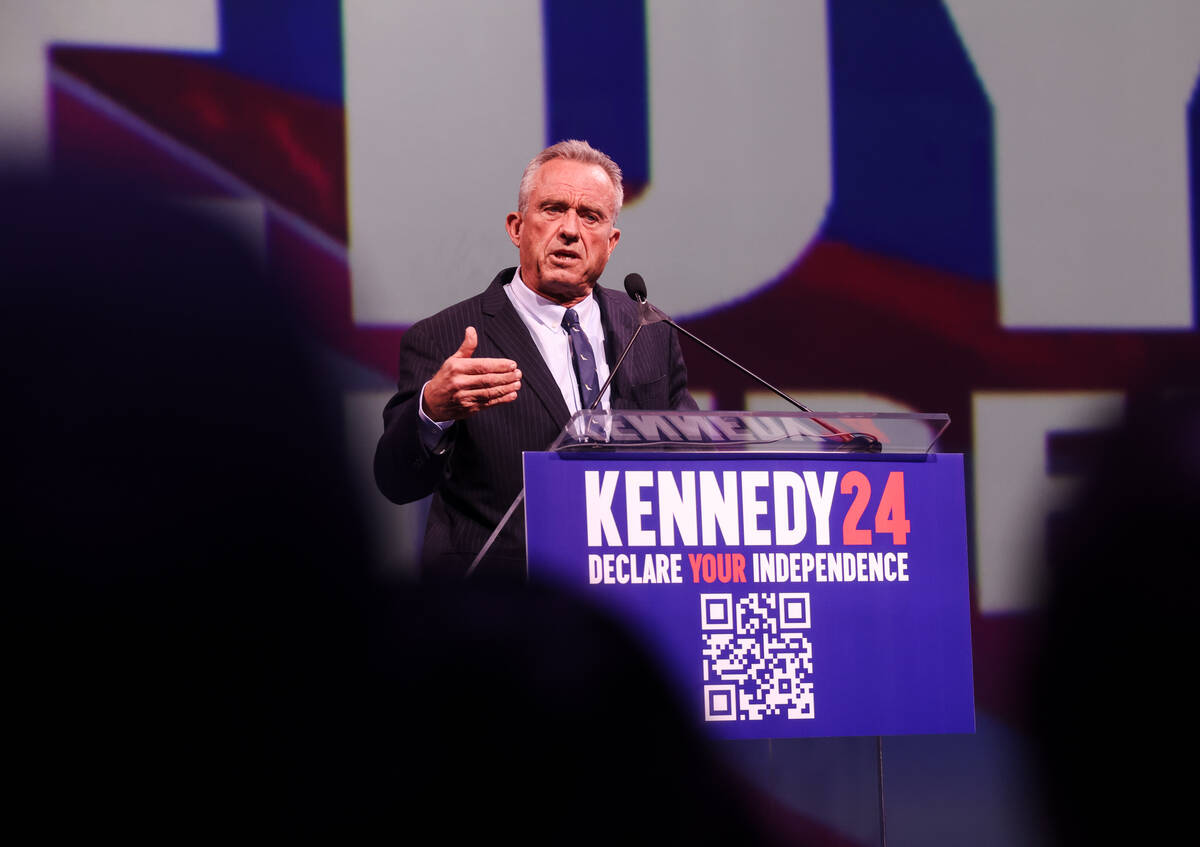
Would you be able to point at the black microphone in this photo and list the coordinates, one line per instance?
(635, 287)
(632, 283)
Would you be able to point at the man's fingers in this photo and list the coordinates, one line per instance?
(484, 366)
(503, 390)
(470, 341)
(462, 360)
(490, 379)
(504, 398)
(464, 385)
(480, 397)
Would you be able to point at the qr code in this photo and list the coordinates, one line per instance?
(756, 656)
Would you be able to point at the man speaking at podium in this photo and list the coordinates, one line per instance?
(503, 371)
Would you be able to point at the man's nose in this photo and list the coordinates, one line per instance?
(569, 230)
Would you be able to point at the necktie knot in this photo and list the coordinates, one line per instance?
(570, 321)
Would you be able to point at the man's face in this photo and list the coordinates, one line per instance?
(566, 234)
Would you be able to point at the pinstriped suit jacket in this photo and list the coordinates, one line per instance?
(476, 480)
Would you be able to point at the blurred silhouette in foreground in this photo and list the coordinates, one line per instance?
(198, 646)
(1113, 722)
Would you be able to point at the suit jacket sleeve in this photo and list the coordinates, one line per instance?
(405, 470)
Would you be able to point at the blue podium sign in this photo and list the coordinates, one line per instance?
(787, 596)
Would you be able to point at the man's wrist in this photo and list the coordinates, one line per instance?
(431, 431)
(424, 411)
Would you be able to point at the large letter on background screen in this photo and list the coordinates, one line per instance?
(1090, 103)
(445, 104)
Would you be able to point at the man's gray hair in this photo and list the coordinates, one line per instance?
(576, 151)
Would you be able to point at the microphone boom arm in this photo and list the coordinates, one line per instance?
(730, 361)
(652, 314)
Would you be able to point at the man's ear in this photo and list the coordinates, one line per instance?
(513, 224)
(613, 239)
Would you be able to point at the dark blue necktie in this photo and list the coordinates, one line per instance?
(581, 356)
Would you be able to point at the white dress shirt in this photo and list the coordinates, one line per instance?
(544, 320)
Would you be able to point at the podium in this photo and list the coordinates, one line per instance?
(793, 574)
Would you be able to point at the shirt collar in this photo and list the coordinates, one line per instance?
(544, 311)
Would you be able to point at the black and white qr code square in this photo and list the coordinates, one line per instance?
(757, 658)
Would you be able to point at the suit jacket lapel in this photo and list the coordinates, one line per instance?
(508, 332)
(617, 333)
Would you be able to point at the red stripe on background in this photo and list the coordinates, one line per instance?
(288, 146)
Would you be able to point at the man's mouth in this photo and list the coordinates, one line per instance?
(564, 256)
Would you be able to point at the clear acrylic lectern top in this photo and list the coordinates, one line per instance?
(784, 432)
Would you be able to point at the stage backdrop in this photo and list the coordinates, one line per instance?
(986, 209)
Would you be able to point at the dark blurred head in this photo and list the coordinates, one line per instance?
(198, 646)
(157, 384)
(1112, 716)
(180, 541)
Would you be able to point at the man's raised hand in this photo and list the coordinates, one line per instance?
(463, 385)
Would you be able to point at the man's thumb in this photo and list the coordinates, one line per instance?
(470, 341)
